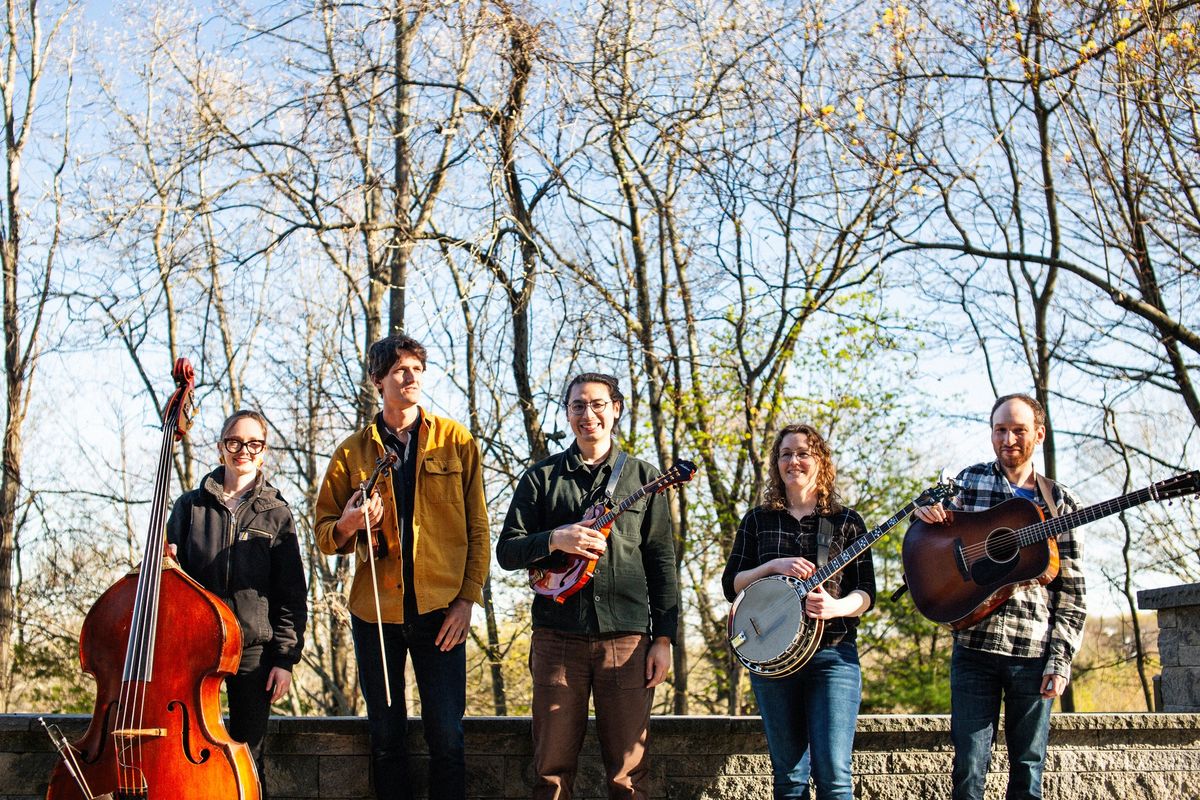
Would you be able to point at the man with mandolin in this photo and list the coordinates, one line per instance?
(422, 559)
(608, 631)
(1018, 653)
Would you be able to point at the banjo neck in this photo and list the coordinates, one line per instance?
(856, 548)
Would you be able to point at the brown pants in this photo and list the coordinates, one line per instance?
(565, 669)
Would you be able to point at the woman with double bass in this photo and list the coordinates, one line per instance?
(158, 645)
(809, 714)
(234, 534)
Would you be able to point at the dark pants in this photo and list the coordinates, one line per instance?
(442, 685)
(250, 705)
(979, 682)
(566, 669)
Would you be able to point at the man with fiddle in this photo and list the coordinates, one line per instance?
(1020, 655)
(429, 527)
(613, 638)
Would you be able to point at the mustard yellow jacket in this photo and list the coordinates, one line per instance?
(450, 522)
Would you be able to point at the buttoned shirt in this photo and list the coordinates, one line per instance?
(766, 534)
(1037, 621)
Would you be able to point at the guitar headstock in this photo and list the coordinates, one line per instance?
(938, 493)
(680, 472)
(180, 407)
(1179, 486)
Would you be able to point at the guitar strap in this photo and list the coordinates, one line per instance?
(1046, 490)
(611, 486)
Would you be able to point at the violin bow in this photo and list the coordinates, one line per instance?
(381, 466)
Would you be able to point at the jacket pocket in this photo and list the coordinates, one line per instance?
(441, 480)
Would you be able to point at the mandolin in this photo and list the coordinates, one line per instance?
(560, 582)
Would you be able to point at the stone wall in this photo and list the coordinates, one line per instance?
(1092, 756)
(1178, 645)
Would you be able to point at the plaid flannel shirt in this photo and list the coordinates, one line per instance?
(766, 534)
(1037, 620)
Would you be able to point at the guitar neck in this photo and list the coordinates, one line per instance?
(1041, 531)
(856, 548)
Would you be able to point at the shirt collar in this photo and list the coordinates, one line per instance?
(575, 457)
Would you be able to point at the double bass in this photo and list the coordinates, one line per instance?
(158, 646)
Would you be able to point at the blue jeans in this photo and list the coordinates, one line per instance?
(979, 682)
(442, 685)
(809, 718)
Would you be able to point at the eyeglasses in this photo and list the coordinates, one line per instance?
(802, 455)
(578, 408)
(253, 446)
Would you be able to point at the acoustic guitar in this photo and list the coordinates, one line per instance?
(560, 581)
(960, 571)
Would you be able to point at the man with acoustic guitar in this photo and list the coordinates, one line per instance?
(1020, 654)
(611, 638)
(420, 575)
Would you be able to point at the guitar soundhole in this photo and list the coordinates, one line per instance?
(1002, 545)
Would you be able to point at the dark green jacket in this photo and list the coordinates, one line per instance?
(634, 589)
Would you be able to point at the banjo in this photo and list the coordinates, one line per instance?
(769, 631)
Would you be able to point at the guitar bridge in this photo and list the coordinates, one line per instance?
(960, 558)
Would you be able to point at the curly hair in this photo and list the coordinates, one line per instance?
(775, 495)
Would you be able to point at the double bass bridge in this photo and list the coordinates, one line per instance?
(129, 734)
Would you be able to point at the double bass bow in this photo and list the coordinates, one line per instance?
(158, 646)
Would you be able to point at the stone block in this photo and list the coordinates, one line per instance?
(721, 788)
(485, 776)
(1189, 654)
(295, 776)
(1181, 689)
(344, 776)
(904, 787)
(919, 763)
(871, 764)
(26, 773)
(1166, 597)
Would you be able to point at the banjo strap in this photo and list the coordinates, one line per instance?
(824, 539)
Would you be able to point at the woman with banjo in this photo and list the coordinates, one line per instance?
(809, 712)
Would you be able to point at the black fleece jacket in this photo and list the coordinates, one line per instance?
(250, 559)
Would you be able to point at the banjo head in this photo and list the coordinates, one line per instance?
(768, 628)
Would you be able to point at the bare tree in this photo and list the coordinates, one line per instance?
(33, 42)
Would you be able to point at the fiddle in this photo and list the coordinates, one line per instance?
(378, 546)
(371, 548)
(158, 646)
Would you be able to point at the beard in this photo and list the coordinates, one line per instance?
(1015, 457)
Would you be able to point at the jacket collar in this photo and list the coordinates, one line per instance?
(263, 496)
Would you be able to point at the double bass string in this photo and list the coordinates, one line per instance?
(139, 652)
